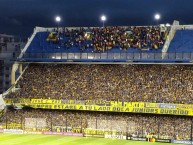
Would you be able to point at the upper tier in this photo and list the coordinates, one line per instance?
(110, 44)
(109, 39)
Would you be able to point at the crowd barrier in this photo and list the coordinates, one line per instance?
(108, 57)
(116, 136)
(62, 133)
(19, 131)
(182, 142)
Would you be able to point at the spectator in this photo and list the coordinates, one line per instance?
(103, 39)
(132, 83)
(164, 127)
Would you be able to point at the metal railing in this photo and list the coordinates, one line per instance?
(109, 56)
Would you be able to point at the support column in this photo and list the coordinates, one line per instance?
(14, 68)
(20, 69)
(13, 74)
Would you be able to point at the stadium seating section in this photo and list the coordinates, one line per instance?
(164, 127)
(108, 39)
(135, 83)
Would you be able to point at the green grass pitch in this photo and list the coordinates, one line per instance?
(13, 139)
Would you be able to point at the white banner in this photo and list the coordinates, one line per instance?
(13, 131)
(2, 103)
(115, 136)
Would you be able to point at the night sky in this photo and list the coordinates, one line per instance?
(19, 17)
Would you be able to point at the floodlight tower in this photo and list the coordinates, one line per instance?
(103, 19)
(58, 19)
(157, 17)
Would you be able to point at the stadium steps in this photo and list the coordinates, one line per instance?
(182, 42)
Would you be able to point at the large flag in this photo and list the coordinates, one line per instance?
(2, 103)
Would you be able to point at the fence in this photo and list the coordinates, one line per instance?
(141, 126)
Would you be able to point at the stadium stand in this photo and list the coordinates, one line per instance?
(155, 93)
(132, 83)
(110, 44)
(164, 127)
(108, 39)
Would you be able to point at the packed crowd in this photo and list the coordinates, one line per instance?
(43, 120)
(102, 39)
(165, 127)
(132, 83)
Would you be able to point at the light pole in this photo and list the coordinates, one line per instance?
(103, 19)
(157, 17)
(58, 19)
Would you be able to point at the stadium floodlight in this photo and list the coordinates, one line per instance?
(103, 19)
(58, 19)
(157, 17)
